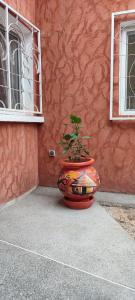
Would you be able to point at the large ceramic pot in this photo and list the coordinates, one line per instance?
(78, 181)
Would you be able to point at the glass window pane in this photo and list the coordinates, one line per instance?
(3, 69)
(15, 73)
(131, 71)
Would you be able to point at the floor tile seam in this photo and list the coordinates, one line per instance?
(68, 265)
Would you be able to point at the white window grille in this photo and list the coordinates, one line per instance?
(20, 64)
(122, 78)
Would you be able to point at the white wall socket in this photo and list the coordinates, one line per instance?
(52, 152)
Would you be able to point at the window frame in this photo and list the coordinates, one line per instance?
(21, 115)
(125, 28)
(112, 117)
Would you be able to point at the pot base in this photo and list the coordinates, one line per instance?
(79, 204)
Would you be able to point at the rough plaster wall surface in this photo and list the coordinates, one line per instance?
(76, 72)
(18, 142)
(18, 165)
(25, 7)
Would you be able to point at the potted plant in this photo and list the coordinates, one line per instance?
(78, 179)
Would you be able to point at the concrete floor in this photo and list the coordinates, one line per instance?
(48, 251)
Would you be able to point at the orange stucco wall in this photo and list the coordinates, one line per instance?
(18, 142)
(76, 69)
(76, 73)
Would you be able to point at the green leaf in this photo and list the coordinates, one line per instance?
(62, 143)
(74, 136)
(65, 150)
(74, 119)
(67, 137)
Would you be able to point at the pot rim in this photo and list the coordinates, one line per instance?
(88, 162)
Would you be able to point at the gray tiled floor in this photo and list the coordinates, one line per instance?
(89, 240)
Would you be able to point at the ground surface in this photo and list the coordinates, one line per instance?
(125, 216)
(50, 252)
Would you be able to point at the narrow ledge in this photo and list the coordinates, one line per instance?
(21, 118)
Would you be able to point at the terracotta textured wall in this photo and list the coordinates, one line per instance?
(18, 142)
(25, 7)
(76, 71)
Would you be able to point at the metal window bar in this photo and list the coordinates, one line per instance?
(15, 82)
(32, 28)
(21, 75)
(40, 76)
(8, 60)
(20, 91)
(19, 15)
(9, 111)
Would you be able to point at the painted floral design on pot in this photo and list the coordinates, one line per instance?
(78, 182)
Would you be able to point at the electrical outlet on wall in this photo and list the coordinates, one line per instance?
(52, 153)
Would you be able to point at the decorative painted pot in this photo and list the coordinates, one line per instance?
(78, 181)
